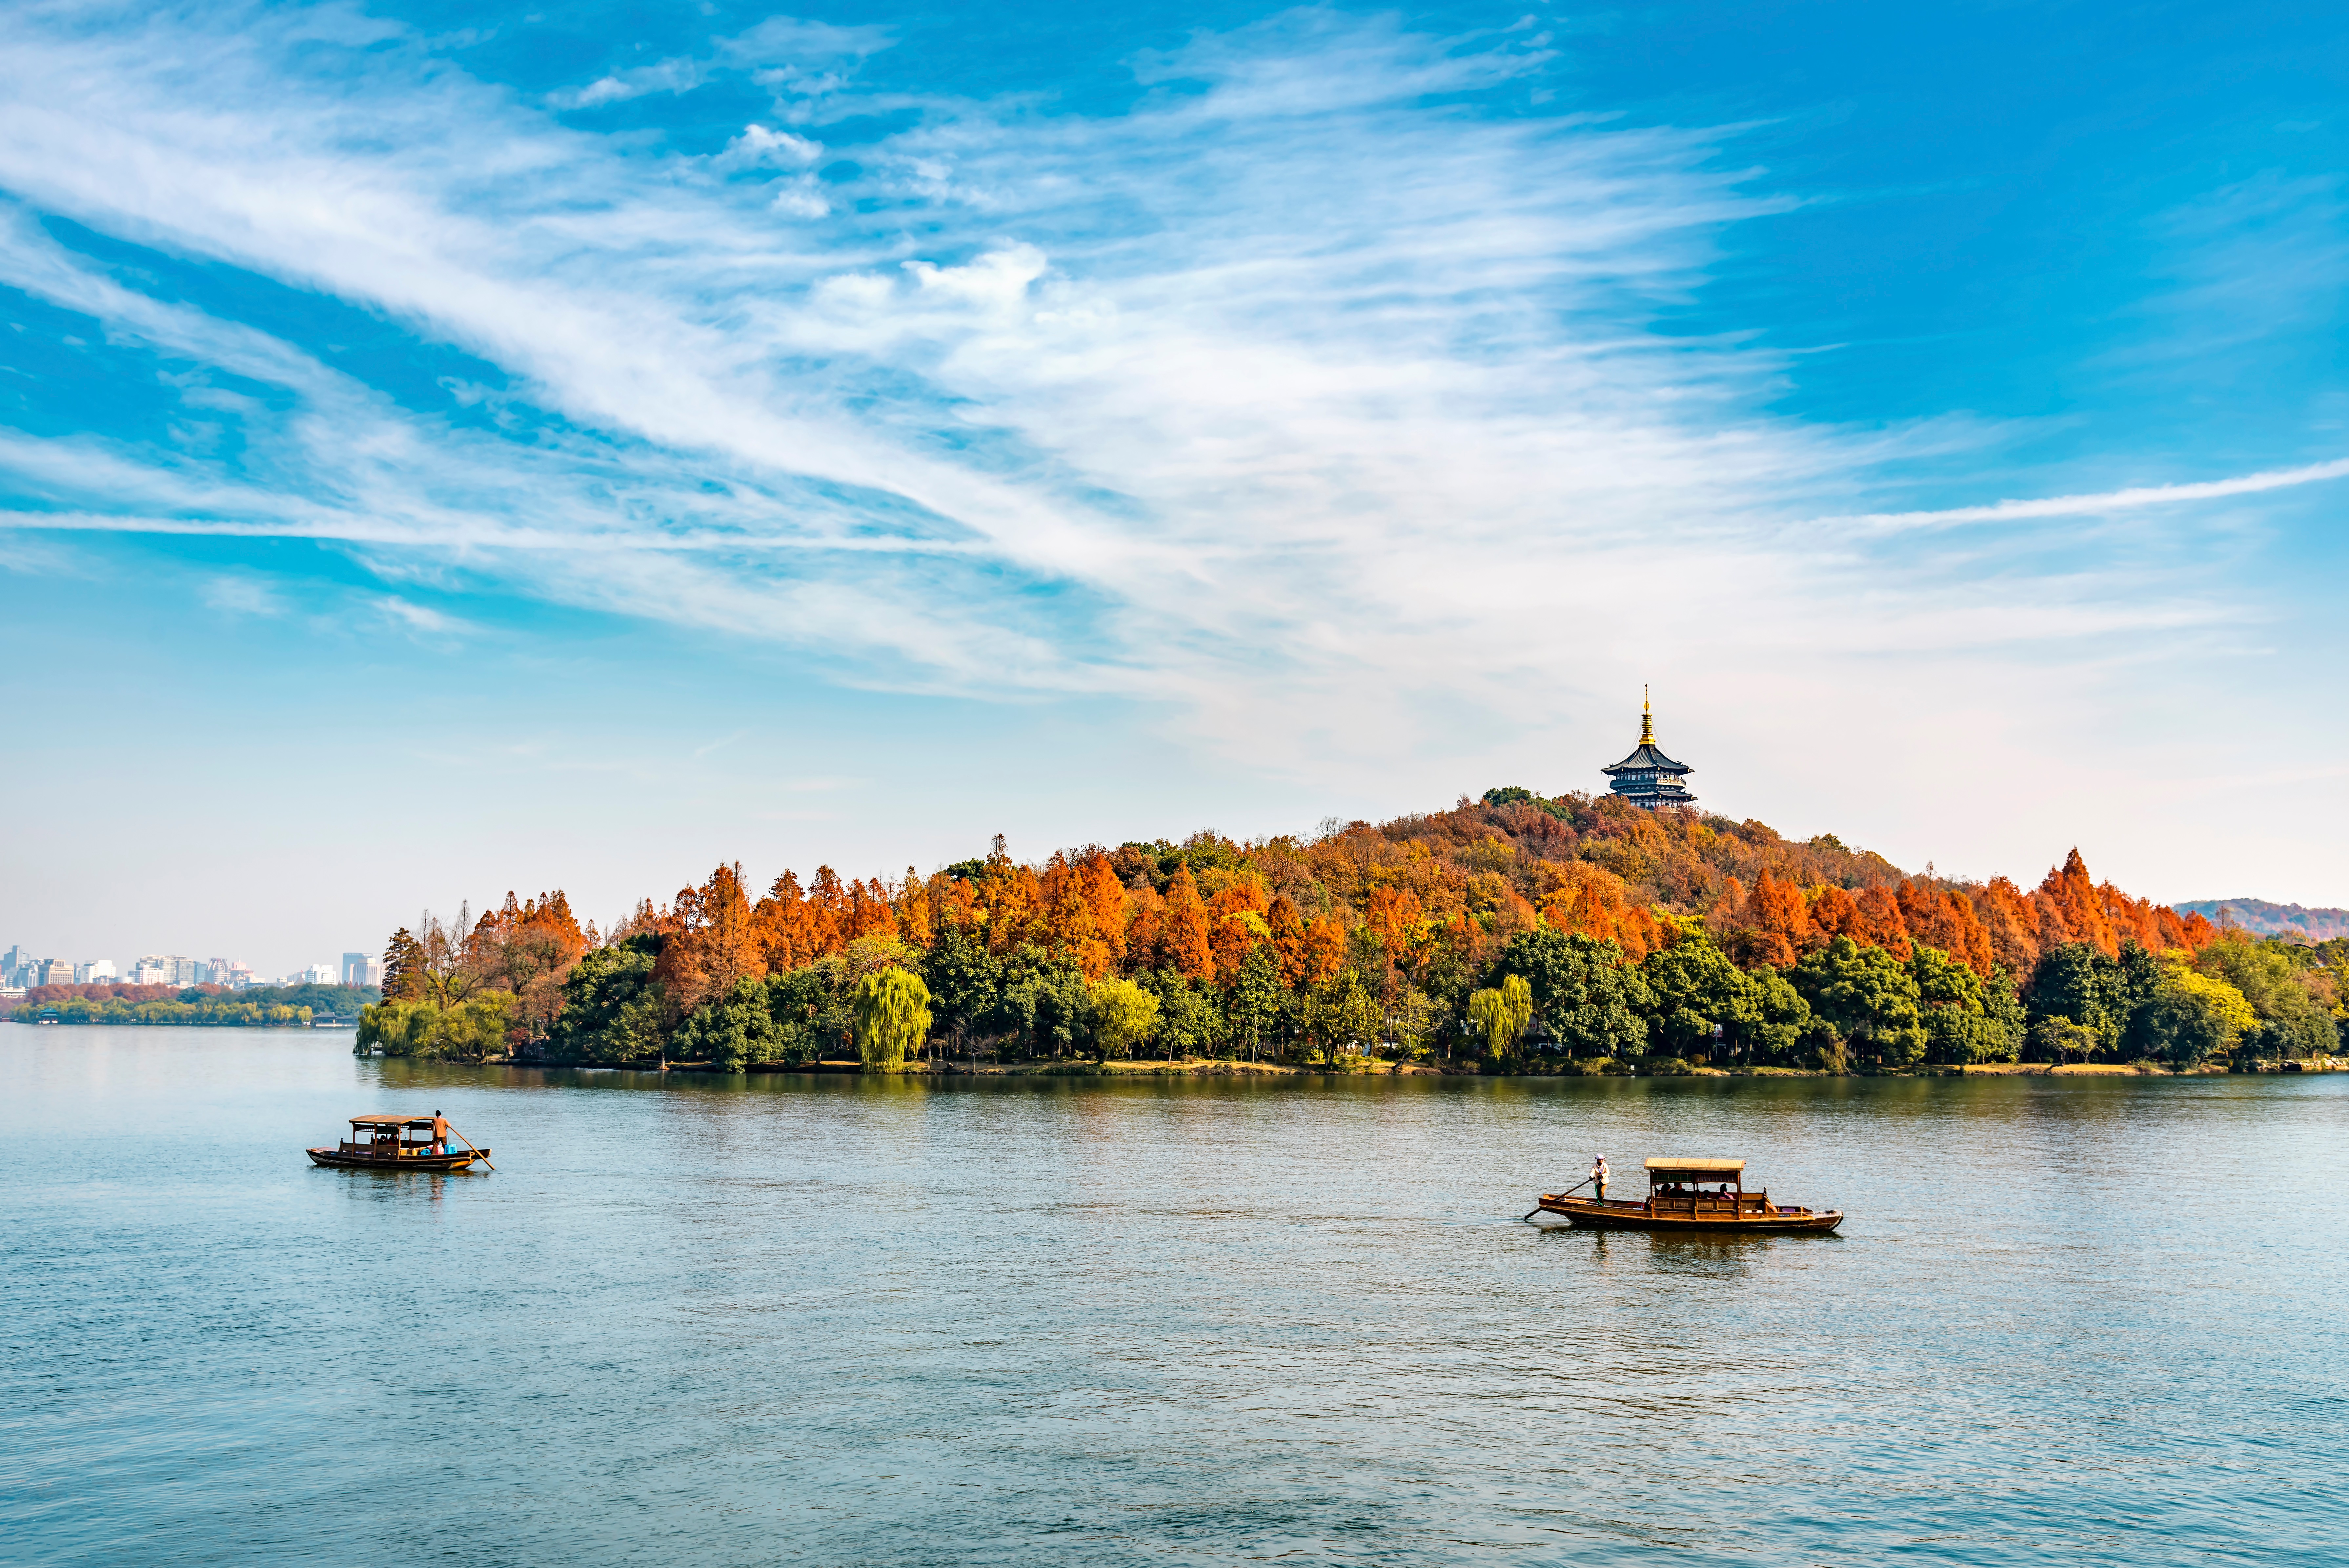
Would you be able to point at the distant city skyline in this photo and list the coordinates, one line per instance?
(25, 965)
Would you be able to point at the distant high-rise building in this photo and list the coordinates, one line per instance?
(97, 971)
(13, 964)
(152, 970)
(354, 967)
(316, 974)
(53, 971)
(186, 971)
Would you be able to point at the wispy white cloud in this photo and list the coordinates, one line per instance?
(417, 619)
(242, 596)
(800, 57)
(1322, 382)
(795, 40)
(661, 76)
(2101, 505)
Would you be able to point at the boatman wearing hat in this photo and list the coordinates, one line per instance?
(1598, 1177)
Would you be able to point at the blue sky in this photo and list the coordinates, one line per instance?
(453, 449)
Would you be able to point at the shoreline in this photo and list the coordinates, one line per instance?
(1216, 1067)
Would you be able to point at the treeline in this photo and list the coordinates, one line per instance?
(215, 1012)
(1514, 929)
(263, 1006)
(2262, 919)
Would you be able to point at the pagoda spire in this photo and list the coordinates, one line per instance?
(1647, 778)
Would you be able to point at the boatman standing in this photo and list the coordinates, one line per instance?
(1598, 1177)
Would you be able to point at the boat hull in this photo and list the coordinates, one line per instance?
(342, 1160)
(1588, 1215)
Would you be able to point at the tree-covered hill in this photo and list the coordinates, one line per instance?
(1514, 930)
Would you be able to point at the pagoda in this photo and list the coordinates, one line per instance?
(1647, 778)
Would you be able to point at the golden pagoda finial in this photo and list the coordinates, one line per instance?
(1647, 720)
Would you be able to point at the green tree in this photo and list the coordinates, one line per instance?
(1257, 1001)
(612, 1008)
(1593, 1002)
(1867, 994)
(2191, 1018)
(2080, 985)
(468, 1031)
(1498, 1017)
(1695, 987)
(731, 1033)
(1412, 1020)
(1189, 1022)
(1961, 1023)
(2055, 1038)
(2293, 1021)
(807, 1015)
(1123, 1014)
(965, 980)
(1783, 1031)
(1042, 1002)
(1343, 1011)
(892, 1016)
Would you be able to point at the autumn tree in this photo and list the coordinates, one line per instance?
(1182, 942)
(403, 967)
(528, 947)
(714, 941)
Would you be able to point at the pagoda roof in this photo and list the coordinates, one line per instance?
(1647, 759)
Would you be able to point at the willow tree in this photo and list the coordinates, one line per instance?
(1123, 1014)
(1500, 1016)
(892, 1012)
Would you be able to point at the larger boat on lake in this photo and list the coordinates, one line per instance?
(402, 1143)
(1693, 1195)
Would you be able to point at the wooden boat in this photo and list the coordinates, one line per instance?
(1678, 1200)
(383, 1143)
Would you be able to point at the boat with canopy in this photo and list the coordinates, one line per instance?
(402, 1143)
(1692, 1195)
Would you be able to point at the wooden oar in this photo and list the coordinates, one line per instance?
(1570, 1191)
(469, 1144)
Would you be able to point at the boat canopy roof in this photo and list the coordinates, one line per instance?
(391, 1121)
(1694, 1169)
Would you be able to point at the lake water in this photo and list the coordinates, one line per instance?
(828, 1320)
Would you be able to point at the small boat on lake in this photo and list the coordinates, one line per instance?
(402, 1143)
(1693, 1195)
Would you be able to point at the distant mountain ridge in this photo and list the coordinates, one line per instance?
(2264, 919)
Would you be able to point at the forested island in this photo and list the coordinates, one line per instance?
(1513, 933)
